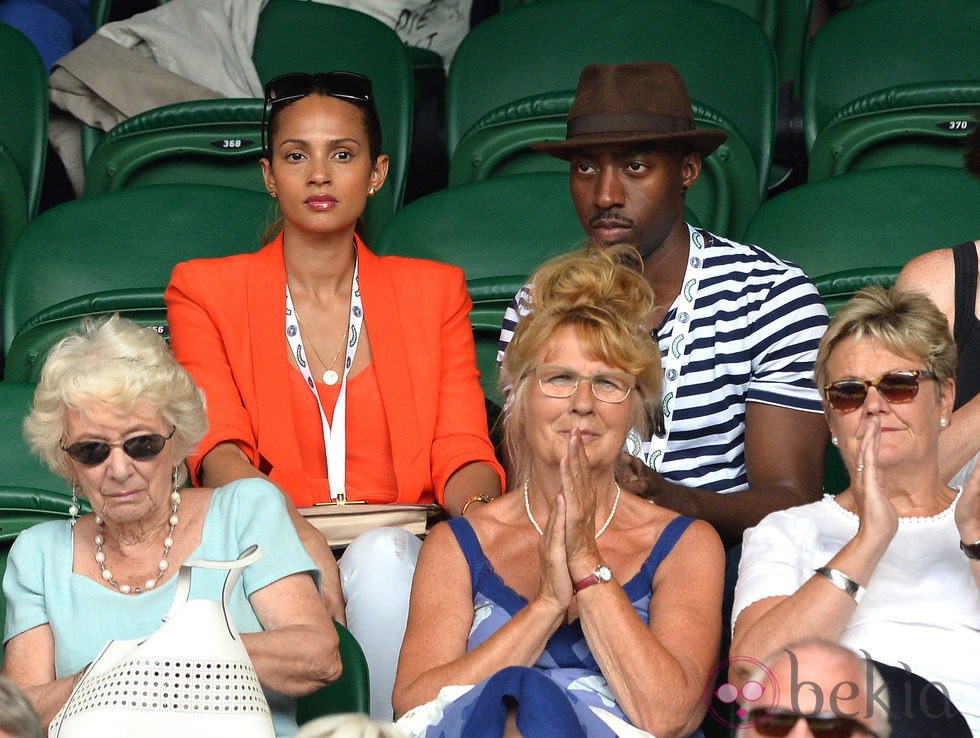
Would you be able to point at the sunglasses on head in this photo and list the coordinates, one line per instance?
(138, 448)
(295, 85)
(781, 722)
(848, 395)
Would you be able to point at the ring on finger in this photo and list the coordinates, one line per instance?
(860, 468)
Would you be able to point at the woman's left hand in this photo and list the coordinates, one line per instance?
(579, 494)
(556, 583)
(876, 512)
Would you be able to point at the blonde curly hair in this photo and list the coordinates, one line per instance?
(602, 293)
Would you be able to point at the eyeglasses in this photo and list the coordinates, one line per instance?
(139, 448)
(559, 381)
(847, 395)
(344, 85)
(781, 722)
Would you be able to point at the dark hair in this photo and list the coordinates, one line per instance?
(17, 715)
(372, 122)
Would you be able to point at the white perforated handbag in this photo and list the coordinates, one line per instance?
(192, 677)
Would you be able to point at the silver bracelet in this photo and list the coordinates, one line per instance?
(843, 582)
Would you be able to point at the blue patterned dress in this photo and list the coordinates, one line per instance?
(554, 697)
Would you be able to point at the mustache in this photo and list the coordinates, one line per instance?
(610, 219)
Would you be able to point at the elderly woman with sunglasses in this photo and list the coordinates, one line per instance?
(593, 611)
(890, 565)
(116, 415)
(334, 373)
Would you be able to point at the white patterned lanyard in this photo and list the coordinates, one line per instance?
(335, 432)
(673, 361)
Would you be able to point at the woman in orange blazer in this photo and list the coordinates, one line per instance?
(315, 350)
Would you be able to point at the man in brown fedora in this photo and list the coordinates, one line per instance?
(741, 431)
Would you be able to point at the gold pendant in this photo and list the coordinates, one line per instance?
(330, 377)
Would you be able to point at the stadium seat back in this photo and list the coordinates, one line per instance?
(122, 241)
(883, 44)
(350, 693)
(871, 220)
(24, 124)
(923, 123)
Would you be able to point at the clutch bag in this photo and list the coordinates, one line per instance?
(342, 523)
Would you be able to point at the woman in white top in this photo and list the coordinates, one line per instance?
(880, 567)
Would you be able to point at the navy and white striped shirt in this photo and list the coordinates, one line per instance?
(753, 337)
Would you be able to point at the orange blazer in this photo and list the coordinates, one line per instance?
(227, 327)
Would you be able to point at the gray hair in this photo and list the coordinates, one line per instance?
(879, 707)
(17, 716)
(349, 725)
(112, 360)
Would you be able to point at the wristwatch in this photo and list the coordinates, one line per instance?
(972, 550)
(602, 573)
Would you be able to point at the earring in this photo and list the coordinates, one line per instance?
(272, 193)
(175, 479)
(371, 192)
(73, 507)
(833, 440)
(943, 422)
(683, 189)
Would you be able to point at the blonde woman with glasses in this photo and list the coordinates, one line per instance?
(573, 606)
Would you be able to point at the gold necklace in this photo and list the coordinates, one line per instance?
(329, 376)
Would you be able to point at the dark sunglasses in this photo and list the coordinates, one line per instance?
(295, 85)
(847, 395)
(139, 448)
(781, 722)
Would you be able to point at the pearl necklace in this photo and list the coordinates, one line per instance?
(612, 513)
(168, 543)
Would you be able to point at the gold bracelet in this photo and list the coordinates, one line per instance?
(485, 499)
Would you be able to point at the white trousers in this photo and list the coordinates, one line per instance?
(376, 573)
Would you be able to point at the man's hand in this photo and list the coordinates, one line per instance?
(636, 477)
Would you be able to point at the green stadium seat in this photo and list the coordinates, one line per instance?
(786, 23)
(13, 203)
(122, 243)
(25, 476)
(350, 693)
(29, 348)
(886, 75)
(24, 124)
(906, 124)
(869, 220)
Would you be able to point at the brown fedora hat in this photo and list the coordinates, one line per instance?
(637, 102)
